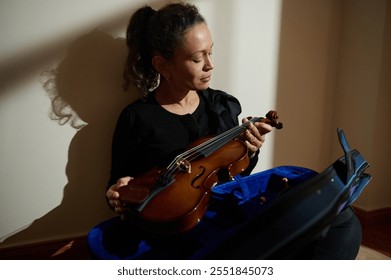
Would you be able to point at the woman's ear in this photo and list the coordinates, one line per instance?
(160, 64)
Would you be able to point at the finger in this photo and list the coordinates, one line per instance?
(112, 193)
(123, 181)
(253, 147)
(250, 138)
(255, 138)
(263, 128)
(254, 131)
(244, 120)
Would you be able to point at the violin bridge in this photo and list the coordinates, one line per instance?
(184, 165)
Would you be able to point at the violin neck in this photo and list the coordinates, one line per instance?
(220, 140)
(215, 143)
(205, 149)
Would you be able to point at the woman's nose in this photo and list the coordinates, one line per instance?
(209, 64)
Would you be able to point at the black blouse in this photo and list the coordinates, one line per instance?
(148, 136)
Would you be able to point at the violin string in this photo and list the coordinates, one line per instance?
(207, 147)
(220, 141)
(215, 143)
(212, 144)
(196, 151)
(193, 153)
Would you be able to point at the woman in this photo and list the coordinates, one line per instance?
(170, 61)
(172, 54)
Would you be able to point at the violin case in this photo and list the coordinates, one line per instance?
(267, 215)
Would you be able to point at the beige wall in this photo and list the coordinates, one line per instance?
(363, 90)
(334, 71)
(307, 59)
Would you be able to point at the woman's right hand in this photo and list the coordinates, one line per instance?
(112, 195)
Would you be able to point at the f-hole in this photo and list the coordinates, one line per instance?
(193, 182)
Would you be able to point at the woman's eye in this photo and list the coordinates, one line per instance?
(204, 56)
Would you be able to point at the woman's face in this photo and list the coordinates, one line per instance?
(191, 67)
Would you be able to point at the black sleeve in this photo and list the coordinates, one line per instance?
(124, 146)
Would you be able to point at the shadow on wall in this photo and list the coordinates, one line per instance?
(86, 93)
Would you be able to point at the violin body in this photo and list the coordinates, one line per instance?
(174, 199)
(180, 205)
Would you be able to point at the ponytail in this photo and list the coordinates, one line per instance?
(138, 68)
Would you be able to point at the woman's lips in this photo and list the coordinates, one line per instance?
(206, 79)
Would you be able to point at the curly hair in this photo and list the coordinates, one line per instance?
(151, 32)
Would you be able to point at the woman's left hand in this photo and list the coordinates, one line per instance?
(255, 135)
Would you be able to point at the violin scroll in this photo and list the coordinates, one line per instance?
(272, 118)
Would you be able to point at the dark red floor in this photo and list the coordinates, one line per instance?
(378, 237)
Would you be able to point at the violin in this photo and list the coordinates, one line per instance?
(175, 198)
